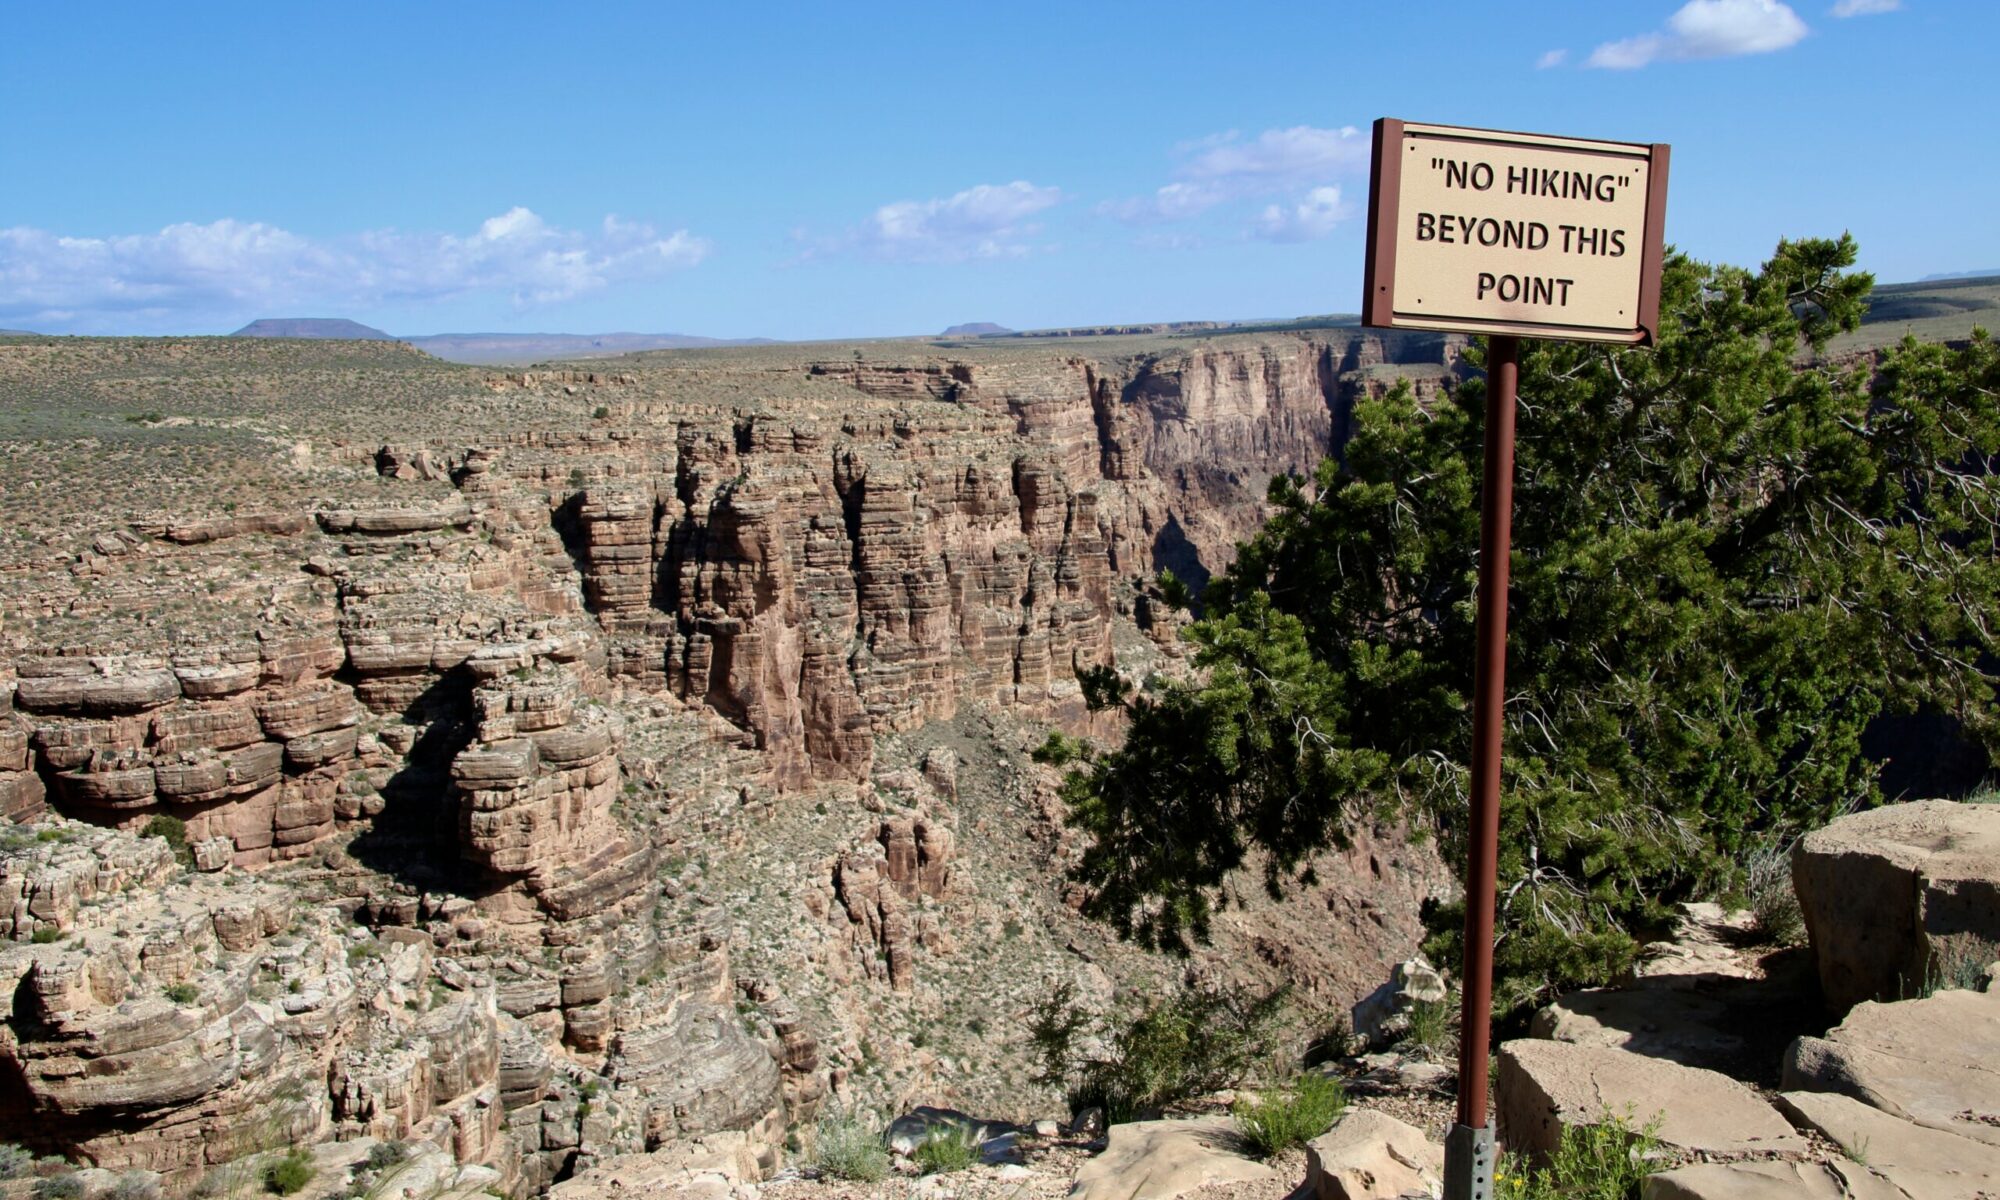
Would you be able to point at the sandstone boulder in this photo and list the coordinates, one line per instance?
(1156, 1160)
(1935, 1062)
(1372, 1156)
(1543, 1087)
(1899, 895)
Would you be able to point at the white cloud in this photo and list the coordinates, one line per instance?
(1174, 202)
(1312, 217)
(1551, 58)
(986, 221)
(230, 267)
(1708, 29)
(1296, 154)
(1864, 8)
(1236, 174)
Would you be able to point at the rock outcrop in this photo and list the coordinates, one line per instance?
(1900, 896)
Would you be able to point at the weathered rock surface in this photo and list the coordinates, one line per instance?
(1900, 895)
(1934, 1062)
(1372, 1156)
(1838, 1180)
(1157, 1160)
(1541, 1087)
(1917, 1160)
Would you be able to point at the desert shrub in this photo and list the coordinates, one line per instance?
(136, 1185)
(45, 935)
(1275, 1121)
(851, 1148)
(66, 1186)
(289, 1173)
(1431, 1030)
(1775, 916)
(1733, 552)
(1958, 963)
(1606, 1161)
(947, 1148)
(16, 1162)
(384, 1155)
(173, 831)
(1187, 1043)
(182, 993)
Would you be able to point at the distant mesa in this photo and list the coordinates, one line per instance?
(312, 327)
(18, 333)
(977, 329)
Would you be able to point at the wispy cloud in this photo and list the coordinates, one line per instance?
(1707, 29)
(228, 267)
(1865, 8)
(1311, 218)
(1551, 58)
(1280, 155)
(1277, 185)
(990, 220)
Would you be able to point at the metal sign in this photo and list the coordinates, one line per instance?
(1510, 235)
(1482, 231)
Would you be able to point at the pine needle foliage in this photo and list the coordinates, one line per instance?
(1730, 554)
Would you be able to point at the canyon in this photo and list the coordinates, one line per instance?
(563, 764)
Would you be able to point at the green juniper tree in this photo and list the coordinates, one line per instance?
(1731, 553)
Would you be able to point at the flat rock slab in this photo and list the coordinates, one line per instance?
(1543, 1086)
(1156, 1160)
(1934, 1062)
(1372, 1156)
(1684, 1026)
(1892, 894)
(1838, 1180)
(1921, 1162)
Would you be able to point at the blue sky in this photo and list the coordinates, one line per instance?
(817, 171)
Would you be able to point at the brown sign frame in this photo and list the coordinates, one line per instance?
(1378, 305)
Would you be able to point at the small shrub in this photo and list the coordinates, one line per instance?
(1188, 1043)
(1430, 1030)
(384, 1155)
(850, 1148)
(289, 1174)
(1274, 1122)
(1774, 906)
(1606, 1161)
(173, 831)
(946, 1149)
(600, 412)
(1958, 963)
(66, 1186)
(15, 1161)
(136, 1185)
(183, 993)
(45, 935)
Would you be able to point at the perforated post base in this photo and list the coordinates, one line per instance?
(1468, 1163)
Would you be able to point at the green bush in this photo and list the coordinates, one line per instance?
(1732, 553)
(384, 1155)
(1275, 1121)
(173, 831)
(947, 1148)
(45, 935)
(1606, 1161)
(851, 1148)
(1190, 1042)
(183, 993)
(290, 1173)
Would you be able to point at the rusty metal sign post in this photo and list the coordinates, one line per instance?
(1510, 235)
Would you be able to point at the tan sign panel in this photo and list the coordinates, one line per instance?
(1480, 231)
